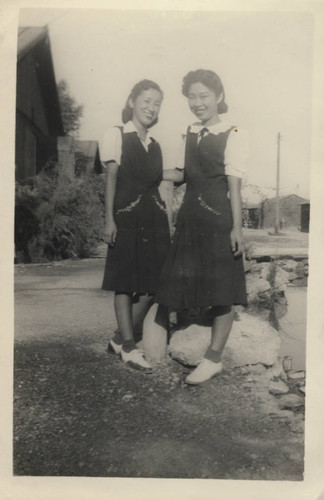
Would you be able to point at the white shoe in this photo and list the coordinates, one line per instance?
(204, 371)
(136, 360)
(114, 348)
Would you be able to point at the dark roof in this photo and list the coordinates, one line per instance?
(28, 37)
(295, 197)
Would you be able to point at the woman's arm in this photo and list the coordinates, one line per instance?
(173, 174)
(234, 184)
(110, 230)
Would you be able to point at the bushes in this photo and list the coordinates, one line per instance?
(57, 218)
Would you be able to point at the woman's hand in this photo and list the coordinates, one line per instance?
(237, 243)
(110, 233)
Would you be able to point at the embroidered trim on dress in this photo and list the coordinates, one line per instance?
(162, 207)
(130, 207)
(207, 207)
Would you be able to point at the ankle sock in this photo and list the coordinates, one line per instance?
(129, 345)
(117, 338)
(214, 356)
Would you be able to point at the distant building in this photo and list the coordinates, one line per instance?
(304, 216)
(252, 215)
(289, 207)
(76, 157)
(38, 115)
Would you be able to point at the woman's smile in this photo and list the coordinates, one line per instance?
(203, 102)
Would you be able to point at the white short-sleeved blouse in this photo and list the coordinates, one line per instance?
(236, 151)
(111, 147)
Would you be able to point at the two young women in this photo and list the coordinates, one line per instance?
(203, 267)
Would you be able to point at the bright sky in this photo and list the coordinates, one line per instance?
(263, 58)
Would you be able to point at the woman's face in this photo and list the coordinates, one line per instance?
(203, 103)
(146, 107)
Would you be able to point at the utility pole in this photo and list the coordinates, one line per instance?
(277, 223)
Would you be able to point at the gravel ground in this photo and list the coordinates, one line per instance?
(81, 412)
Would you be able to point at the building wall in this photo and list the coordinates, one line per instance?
(29, 101)
(289, 211)
(34, 144)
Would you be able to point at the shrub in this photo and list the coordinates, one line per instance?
(57, 218)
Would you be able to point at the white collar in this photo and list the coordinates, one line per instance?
(215, 129)
(129, 128)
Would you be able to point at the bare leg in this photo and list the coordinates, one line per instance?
(140, 310)
(129, 353)
(221, 328)
(123, 310)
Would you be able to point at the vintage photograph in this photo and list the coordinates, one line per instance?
(162, 214)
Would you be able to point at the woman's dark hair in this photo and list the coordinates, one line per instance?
(210, 80)
(127, 113)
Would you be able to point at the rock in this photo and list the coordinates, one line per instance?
(295, 375)
(281, 280)
(287, 363)
(302, 389)
(257, 369)
(292, 276)
(245, 370)
(281, 276)
(289, 265)
(282, 414)
(277, 370)
(256, 285)
(278, 388)
(263, 269)
(300, 273)
(291, 401)
(154, 337)
(251, 341)
(297, 426)
(249, 251)
(247, 265)
(127, 397)
(256, 267)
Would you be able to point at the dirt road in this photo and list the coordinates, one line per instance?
(81, 412)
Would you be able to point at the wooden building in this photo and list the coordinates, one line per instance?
(38, 115)
(252, 215)
(77, 157)
(289, 209)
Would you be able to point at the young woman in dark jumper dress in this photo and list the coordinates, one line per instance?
(136, 226)
(204, 267)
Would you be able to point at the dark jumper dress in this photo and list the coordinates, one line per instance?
(201, 270)
(133, 265)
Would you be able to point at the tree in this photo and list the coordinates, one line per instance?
(70, 110)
